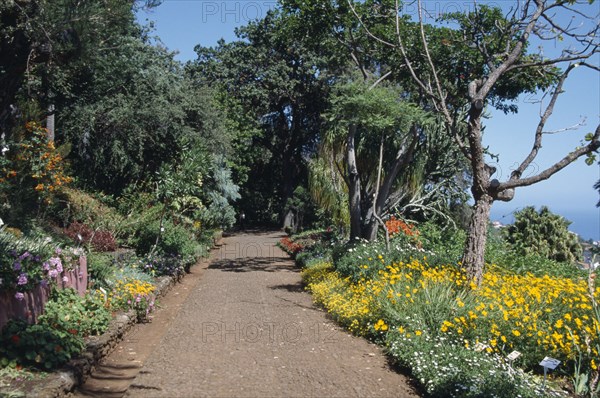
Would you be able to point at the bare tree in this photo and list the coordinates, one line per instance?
(501, 48)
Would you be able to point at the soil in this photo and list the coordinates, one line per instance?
(241, 325)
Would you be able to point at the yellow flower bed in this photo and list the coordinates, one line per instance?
(125, 293)
(538, 316)
(350, 304)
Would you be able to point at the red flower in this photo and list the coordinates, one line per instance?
(15, 339)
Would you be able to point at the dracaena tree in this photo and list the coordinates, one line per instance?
(484, 60)
(381, 130)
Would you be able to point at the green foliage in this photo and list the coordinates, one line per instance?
(100, 268)
(329, 192)
(173, 240)
(85, 207)
(274, 93)
(38, 345)
(70, 313)
(543, 233)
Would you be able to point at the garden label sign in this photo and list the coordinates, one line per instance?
(550, 363)
(514, 355)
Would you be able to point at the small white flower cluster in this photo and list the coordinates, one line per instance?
(439, 362)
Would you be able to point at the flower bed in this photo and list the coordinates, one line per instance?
(455, 336)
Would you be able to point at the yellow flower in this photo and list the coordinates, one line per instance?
(380, 325)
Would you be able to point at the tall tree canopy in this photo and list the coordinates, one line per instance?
(275, 92)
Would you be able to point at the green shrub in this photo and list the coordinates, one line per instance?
(173, 240)
(543, 233)
(79, 206)
(100, 268)
(37, 345)
(444, 245)
(81, 316)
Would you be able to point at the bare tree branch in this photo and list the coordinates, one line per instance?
(556, 167)
(375, 37)
(516, 174)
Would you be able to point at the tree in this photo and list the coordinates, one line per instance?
(486, 62)
(273, 86)
(543, 233)
(375, 124)
(50, 42)
(371, 120)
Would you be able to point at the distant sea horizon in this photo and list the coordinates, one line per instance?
(585, 223)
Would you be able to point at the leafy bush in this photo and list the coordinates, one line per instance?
(101, 240)
(38, 345)
(82, 207)
(543, 233)
(81, 316)
(100, 268)
(32, 171)
(173, 240)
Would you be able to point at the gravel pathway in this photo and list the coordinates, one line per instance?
(247, 329)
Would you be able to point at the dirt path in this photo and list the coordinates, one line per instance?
(242, 326)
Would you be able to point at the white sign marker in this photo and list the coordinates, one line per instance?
(550, 363)
(513, 355)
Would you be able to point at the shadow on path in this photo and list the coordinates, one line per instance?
(249, 264)
(292, 287)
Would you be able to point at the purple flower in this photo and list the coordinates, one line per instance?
(44, 283)
(65, 279)
(19, 296)
(37, 259)
(24, 256)
(13, 253)
(59, 267)
(17, 266)
(46, 266)
(53, 273)
(138, 299)
(22, 279)
(58, 251)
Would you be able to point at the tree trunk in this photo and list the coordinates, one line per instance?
(290, 170)
(50, 123)
(473, 256)
(353, 186)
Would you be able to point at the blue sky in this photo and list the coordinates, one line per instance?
(183, 24)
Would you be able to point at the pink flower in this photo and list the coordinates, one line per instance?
(53, 273)
(19, 296)
(65, 279)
